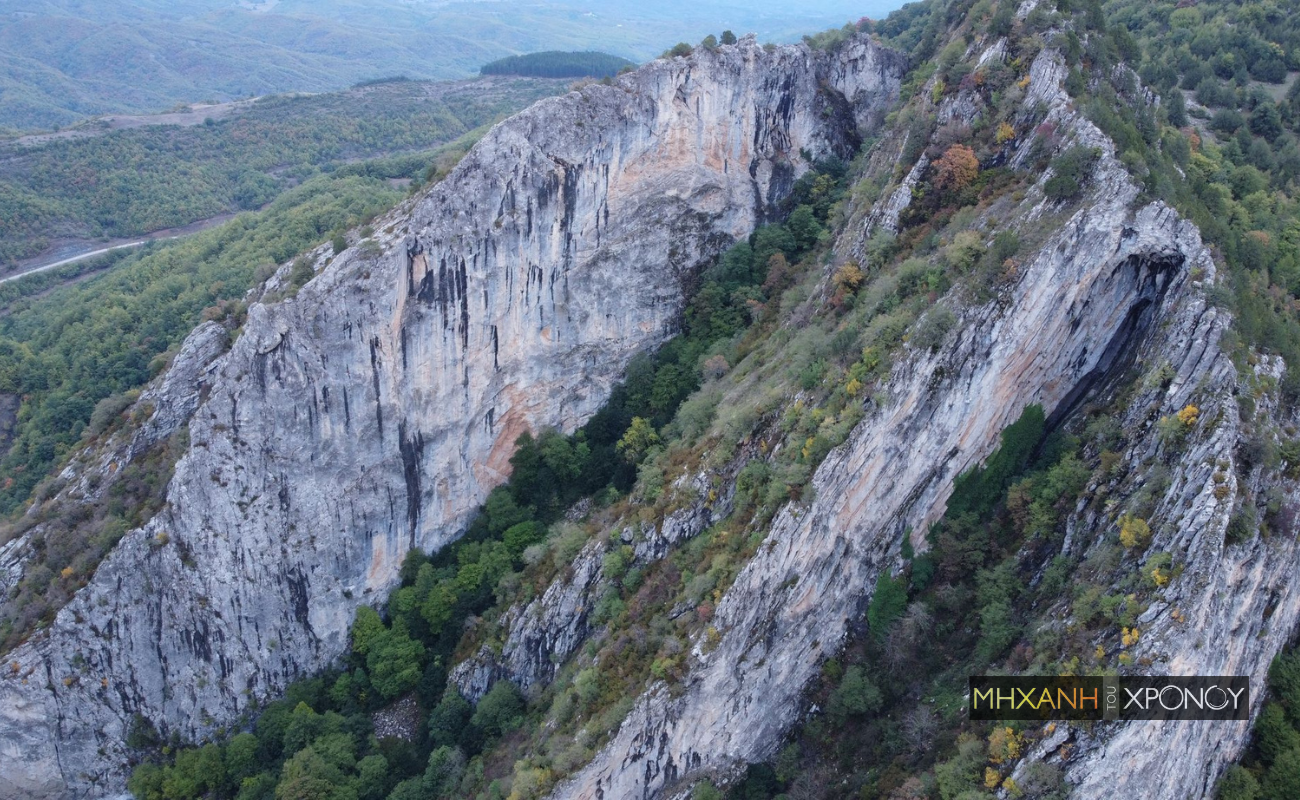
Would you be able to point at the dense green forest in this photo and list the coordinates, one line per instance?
(558, 64)
(1270, 769)
(134, 181)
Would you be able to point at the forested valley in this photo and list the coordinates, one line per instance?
(78, 342)
(95, 182)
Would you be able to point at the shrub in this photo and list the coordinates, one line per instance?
(1134, 532)
(956, 169)
(1242, 526)
(301, 272)
(108, 410)
(933, 327)
(964, 251)
(1069, 172)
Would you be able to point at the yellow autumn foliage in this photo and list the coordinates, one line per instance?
(1133, 531)
(1005, 745)
(991, 778)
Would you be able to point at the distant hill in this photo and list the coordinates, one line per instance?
(558, 64)
(64, 60)
(65, 190)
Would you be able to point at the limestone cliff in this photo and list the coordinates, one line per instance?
(1114, 286)
(371, 413)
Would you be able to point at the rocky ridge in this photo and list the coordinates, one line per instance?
(1116, 284)
(372, 412)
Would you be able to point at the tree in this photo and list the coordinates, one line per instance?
(1274, 734)
(146, 782)
(502, 510)
(394, 663)
(195, 773)
(1265, 121)
(997, 630)
(372, 780)
(440, 604)
(848, 278)
(728, 37)
(1237, 783)
(857, 693)
(308, 776)
(1176, 108)
(955, 169)
(241, 758)
(770, 240)
(638, 440)
(962, 771)
(1284, 681)
(446, 765)
(300, 272)
(1283, 777)
(366, 629)
(1069, 171)
(888, 603)
(449, 718)
(518, 537)
(804, 228)
(500, 711)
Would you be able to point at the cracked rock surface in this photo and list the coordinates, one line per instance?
(372, 413)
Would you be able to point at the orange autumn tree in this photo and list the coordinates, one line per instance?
(955, 169)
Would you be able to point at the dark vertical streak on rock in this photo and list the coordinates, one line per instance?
(374, 374)
(412, 449)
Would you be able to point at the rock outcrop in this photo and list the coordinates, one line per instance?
(371, 413)
(1112, 283)
(546, 631)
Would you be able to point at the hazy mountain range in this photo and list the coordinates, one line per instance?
(62, 60)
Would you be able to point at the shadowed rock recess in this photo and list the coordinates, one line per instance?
(373, 412)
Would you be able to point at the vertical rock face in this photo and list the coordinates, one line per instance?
(372, 413)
